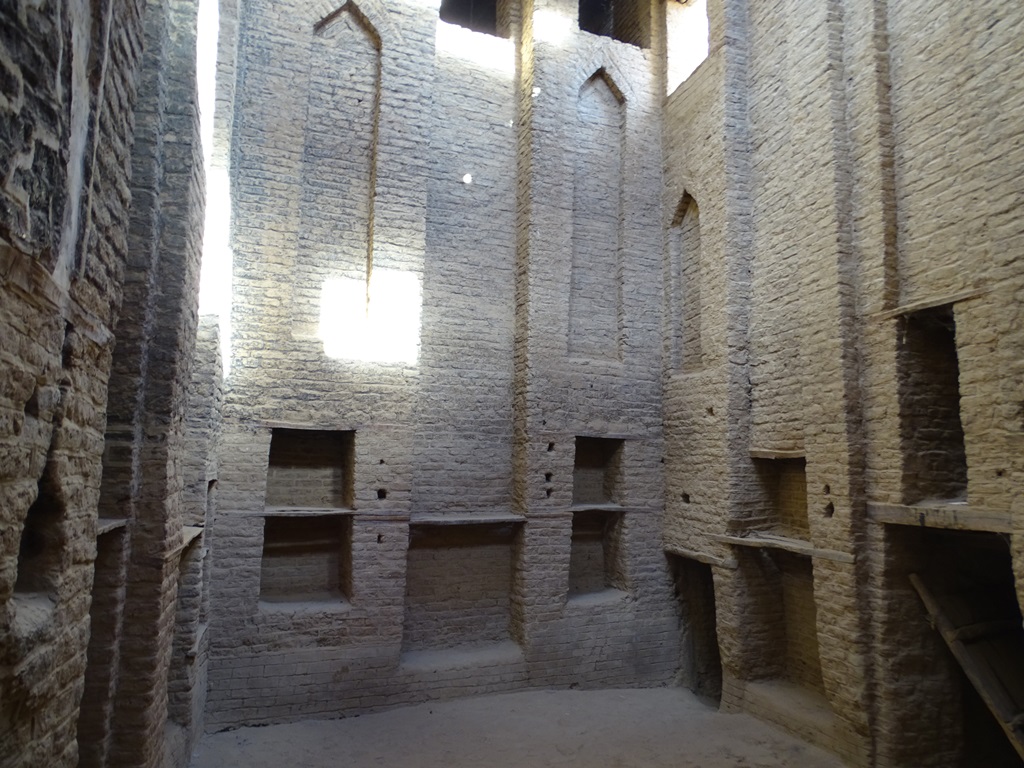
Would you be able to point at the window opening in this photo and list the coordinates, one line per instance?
(477, 15)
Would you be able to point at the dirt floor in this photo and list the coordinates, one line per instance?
(651, 728)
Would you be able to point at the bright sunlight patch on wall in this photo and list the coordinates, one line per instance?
(487, 51)
(382, 329)
(687, 24)
(551, 26)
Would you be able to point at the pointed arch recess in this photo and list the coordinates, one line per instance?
(595, 294)
(339, 162)
(684, 261)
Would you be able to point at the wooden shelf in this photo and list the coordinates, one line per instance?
(939, 301)
(774, 453)
(108, 524)
(295, 511)
(951, 515)
(465, 519)
(773, 541)
(702, 557)
(597, 508)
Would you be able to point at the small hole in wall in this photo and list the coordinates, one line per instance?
(827, 489)
(381, 461)
(382, 493)
(380, 538)
(467, 179)
(686, 498)
(547, 477)
(711, 411)
(999, 472)
(547, 492)
(551, 446)
(32, 406)
(830, 509)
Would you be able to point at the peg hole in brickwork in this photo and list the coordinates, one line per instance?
(1000, 472)
(32, 406)
(686, 498)
(827, 489)
(551, 446)
(68, 349)
(547, 493)
(830, 509)
(382, 493)
(711, 411)
(380, 538)
(381, 461)
(547, 477)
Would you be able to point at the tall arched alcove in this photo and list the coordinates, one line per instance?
(684, 257)
(339, 161)
(595, 294)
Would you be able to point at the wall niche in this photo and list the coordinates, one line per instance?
(458, 585)
(934, 455)
(306, 558)
(784, 482)
(595, 555)
(311, 469)
(596, 470)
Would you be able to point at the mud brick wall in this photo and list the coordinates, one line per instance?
(838, 218)
(436, 152)
(68, 87)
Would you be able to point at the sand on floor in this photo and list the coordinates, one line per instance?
(655, 728)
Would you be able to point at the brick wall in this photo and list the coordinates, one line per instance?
(434, 434)
(66, 107)
(825, 181)
(458, 586)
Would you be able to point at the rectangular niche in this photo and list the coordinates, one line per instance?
(306, 558)
(934, 457)
(311, 469)
(781, 639)
(799, 617)
(700, 666)
(784, 481)
(969, 581)
(102, 656)
(458, 585)
(595, 559)
(595, 474)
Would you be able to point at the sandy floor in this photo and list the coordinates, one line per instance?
(655, 728)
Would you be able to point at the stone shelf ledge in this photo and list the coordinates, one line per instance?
(952, 515)
(599, 507)
(295, 511)
(774, 541)
(776, 453)
(465, 519)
